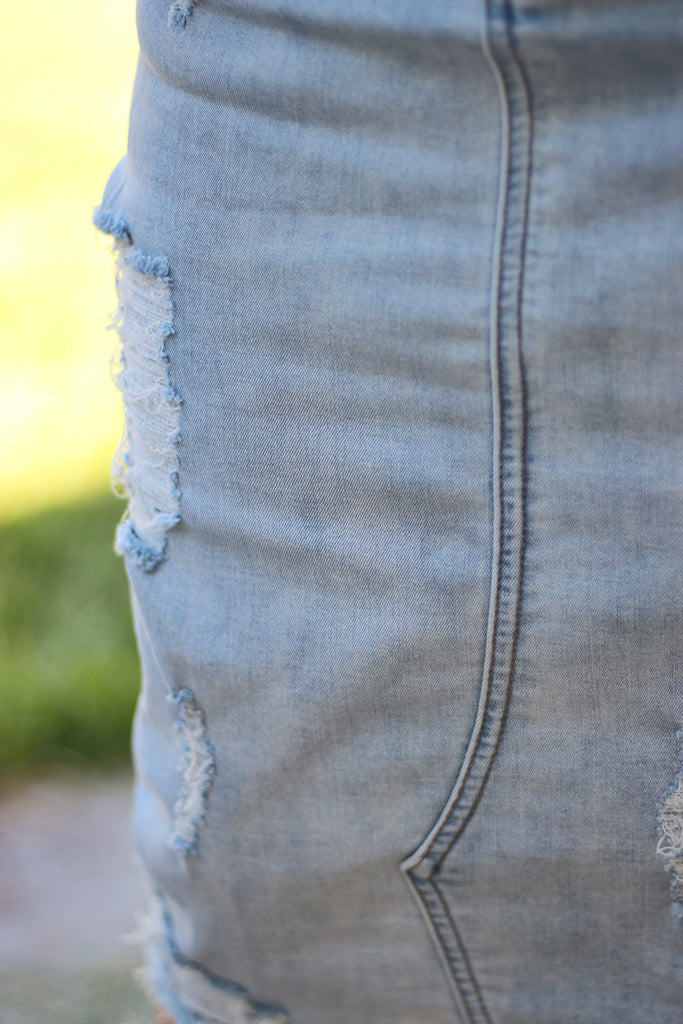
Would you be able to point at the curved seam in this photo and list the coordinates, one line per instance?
(473, 756)
(418, 857)
(523, 446)
(510, 427)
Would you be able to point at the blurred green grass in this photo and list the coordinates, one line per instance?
(68, 669)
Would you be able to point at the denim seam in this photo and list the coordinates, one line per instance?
(510, 439)
(462, 980)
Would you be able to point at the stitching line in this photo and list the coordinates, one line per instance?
(516, 102)
(518, 599)
(463, 952)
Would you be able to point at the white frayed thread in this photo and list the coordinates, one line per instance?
(180, 13)
(670, 827)
(145, 466)
(197, 771)
(148, 935)
(191, 994)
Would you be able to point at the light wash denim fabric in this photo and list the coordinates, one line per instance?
(401, 304)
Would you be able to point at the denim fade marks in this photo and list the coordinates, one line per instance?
(509, 513)
(145, 466)
(670, 827)
(191, 994)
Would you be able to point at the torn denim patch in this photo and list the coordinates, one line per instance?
(187, 991)
(198, 770)
(180, 13)
(670, 828)
(145, 468)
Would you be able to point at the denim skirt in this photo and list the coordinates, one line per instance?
(400, 304)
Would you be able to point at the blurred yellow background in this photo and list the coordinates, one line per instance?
(69, 674)
(67, 74)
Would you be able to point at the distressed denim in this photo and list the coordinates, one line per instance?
(400, 318)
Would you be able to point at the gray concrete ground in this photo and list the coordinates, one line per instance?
(70, 892)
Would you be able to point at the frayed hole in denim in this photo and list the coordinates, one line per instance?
(670, 828)
(145, 468)
(198, 770)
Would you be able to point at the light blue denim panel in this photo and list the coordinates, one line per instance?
(409, 708)
(548, 899)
